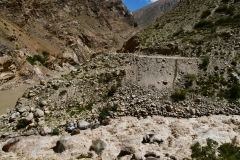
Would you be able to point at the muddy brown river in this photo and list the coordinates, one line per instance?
(8, 98)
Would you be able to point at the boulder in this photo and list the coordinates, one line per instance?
(70, 127)
(42, 82)
(95, 125)
(147, 138)
(75, 132)
(169, 108)
(82, 124)
(39, 113)
(192, 111)
(43, 103)
(126, 151)
(23, 109)
(29, 133)
(29, 118)
(106, 121)
(98, 146)
(9, 144)
(235, 76)
(13, 116)
(151, 155)
(138, 156)
(45, 131)
(60, 146)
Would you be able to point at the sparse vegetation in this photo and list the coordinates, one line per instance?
(234, 92)
(179, 95)
(105, 111)
(45, 54)
(35, 58)
(21, 124)
(112, 90)
(226, 9)
(205, 14)
(62, 93)
(205, 62)
(226, 151)
(204, 24)
(55, 131)
(191, 77)
(88, 155)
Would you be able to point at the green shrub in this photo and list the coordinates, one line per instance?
(237, 16)
(205, 62)
(112, 90)
(224, 21)
(205, 14)
(45, 54)
(55, 131)
(89, 155)
(191, 77)
(225, 0)
(178, 32)
(234, 63)
(204, 24)
(105, 111)
(179, 95)
(229, 151)
(39, 58)
(21, 124)
(226, 151)
(234, 92)
(72, 113)
(30, 60)
(35, 58)
(225, 9)
(89, 106)
(62, 93)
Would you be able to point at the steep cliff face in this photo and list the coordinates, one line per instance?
(147, 15)
(70, 31)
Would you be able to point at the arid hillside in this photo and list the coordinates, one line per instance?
(147, 15)
(208, 30)
(57, 35)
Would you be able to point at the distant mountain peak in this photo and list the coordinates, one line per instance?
(147, 15)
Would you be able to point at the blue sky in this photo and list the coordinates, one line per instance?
(133, 5)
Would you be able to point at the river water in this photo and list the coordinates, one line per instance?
(8, 98)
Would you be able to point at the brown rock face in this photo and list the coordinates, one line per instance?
(70, 31)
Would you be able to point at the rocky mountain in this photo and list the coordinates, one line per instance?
(206, 30)
(57, 35)
(147, 15)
